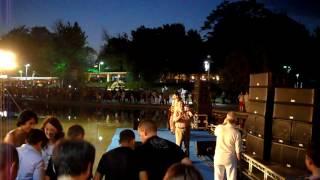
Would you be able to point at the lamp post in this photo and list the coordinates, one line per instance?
(27, 66)
(100, 63)
(206, 64)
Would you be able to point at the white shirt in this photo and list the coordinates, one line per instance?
(31, 165)
(228, 144)
(47, 153)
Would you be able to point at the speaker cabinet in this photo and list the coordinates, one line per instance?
(300, 113)
(289, 95)
(250, 124)
(288, 156)
(301, 133)
(205, 148)
(258, 93)
(255, 125)
(254, 146)
(260, 123)
(261, 79)
(256, 107)
(281, 130)
(201, 94)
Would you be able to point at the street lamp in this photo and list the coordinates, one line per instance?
(297, 84)
(287, 68)
(206, 64)
(27, 66)
(7, 62)
(100, 63)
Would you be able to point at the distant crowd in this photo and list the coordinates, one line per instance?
(98, 95)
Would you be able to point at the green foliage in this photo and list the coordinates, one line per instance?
(60, 53)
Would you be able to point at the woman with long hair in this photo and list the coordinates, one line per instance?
(54, 132)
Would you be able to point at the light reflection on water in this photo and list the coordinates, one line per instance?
(99, 123)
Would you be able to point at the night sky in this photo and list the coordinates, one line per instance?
(119, 16)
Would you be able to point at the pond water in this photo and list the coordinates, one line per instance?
(99, 122)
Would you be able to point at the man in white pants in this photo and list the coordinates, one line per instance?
(228, 147)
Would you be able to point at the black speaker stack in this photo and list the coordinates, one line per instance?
(281, 122)
(294, 113)
(201, 97)
(258, 109)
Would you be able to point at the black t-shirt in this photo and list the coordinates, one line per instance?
(119, 163)
(156, 155)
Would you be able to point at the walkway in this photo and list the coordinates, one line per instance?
(204, 166)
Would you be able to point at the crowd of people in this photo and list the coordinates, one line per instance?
(98, 95)
(45, 153)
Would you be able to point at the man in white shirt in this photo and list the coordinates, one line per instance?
(228, 147)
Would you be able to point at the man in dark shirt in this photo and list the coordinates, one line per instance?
(156, 155)
(119, 163)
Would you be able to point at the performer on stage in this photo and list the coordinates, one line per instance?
(183, 129)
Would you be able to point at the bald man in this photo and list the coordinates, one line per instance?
(156, 154)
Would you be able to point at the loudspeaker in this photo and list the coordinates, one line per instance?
(258, 93)
(250, 124)
(254, 146)
(255, 125)
(256, 107)
(205, 148)
(259, 125)
(289, 95)
(201, 97)
(293, 112)
(301, 133)
(288, 156)
(201, 121)
(281, 130)
(261, 79)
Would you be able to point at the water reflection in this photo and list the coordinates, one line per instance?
(109, 116)
(99, 122)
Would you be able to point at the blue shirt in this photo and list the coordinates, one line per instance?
(31, 165)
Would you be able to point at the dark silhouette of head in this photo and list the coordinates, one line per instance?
(74, 158)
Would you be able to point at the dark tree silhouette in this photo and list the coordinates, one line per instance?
(246, 35)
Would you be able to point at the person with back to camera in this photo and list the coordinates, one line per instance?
(180, 171)
(73, 159)
(119, 163)
(312, 161)
(9, 162)
(228, 146)
(30, 159)
(75, 132)
(26, 121)
(156, 154)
